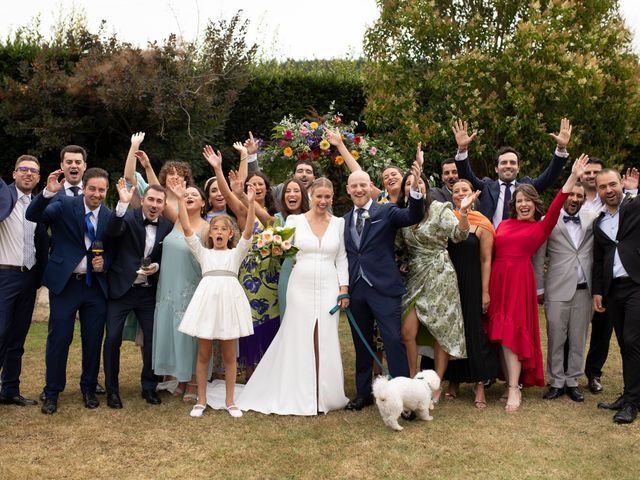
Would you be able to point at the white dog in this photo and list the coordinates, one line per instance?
(401, 393)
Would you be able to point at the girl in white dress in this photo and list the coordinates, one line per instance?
(219, 309)
(301, 372)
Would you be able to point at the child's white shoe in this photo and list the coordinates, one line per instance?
(234, 411)
(197, 410)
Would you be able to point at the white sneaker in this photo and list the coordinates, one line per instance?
(234, 411)
(197, 410)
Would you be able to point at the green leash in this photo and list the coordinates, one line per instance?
(352, 320)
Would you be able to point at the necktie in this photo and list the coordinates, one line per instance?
(28, 249)
(571, 218)
(91, 235)
(149, 222)
(76, 190)
(359, 220)
(507, 199)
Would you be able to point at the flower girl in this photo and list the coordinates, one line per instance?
(219, 309)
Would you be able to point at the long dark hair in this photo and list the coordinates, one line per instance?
(403, 202)
(268, 198)
(304, 203)
(531, 193)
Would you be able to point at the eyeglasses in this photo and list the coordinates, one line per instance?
(35, 171)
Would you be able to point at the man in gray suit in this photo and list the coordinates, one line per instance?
(565, 289)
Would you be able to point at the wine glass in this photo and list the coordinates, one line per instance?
(144, 265)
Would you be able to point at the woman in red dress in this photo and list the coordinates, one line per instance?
(513, 311)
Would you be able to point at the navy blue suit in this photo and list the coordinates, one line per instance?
(129, 236)
(69, 293)
(17, 299)
(379, 297)
(488, 201)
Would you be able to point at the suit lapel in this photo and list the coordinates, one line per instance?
(78, 208)
(583, 227)
(103, 219)
(565, 231)
(13, 192)
(373, 210)
(348, 222)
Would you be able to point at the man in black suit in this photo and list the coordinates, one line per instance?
(75, 278)
(496, 194)
(616, 283)
(23, 255)
(138, 235)
(449, 177)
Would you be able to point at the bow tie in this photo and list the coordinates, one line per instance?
(149, 222)
(571, 218)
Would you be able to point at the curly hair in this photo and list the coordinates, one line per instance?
(181, 168)
(531, 193)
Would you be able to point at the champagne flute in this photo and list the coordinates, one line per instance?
(145, 264)
(97, 249)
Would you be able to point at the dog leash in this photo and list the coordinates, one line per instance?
(352, 320)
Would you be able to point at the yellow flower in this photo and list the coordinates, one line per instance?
(355, 154)
(288, 152)
(313, 125)
(325, 145)
(339, 160)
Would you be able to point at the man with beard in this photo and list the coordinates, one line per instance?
(139, 234)
(565, 291)
(24, 249)
(496, 194)
(449, 177)
(616, 283)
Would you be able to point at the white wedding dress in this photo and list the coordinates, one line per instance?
(284, 381)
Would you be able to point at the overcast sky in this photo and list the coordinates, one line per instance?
(282, 28)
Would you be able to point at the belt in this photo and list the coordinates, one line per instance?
(78, 276)
(220, 273)
(21, 268)
(622, 280)
(582, 286)
(141, 285)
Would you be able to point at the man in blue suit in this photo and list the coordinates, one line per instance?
(76, 280)
(138, 234)
(23, 254)
(496, 194)
(375, 285)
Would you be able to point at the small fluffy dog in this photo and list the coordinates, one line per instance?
(401, 393)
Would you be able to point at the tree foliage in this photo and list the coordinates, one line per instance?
(512, 68)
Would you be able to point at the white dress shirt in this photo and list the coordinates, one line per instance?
(67, 189)
(575, 232)
(12, 234)
(149, 239)
(497, 216)
(609, 226)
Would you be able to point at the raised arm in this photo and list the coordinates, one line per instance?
(463, 139)
(116, 225)
(142, 157)
(251, 144)
(251, 213)
(243, 170)
(130, 163)
(560, 155)
(215, 160)
(40, 209)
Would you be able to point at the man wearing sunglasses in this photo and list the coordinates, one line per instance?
(23, 256)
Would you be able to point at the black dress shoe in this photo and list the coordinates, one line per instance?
(626, 414)
(100, 390)
(113, 400)
(18, 400)
(595, 386)
(49, 407)
(90, 400)
(574, 394)
(617, 404)
(359, 403)
(151, 396)
(553, 393)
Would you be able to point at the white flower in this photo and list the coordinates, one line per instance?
(365, 215)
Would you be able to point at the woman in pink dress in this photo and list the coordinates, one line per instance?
(513, 311)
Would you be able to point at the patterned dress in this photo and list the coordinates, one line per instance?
(261, 286)
(432, 285)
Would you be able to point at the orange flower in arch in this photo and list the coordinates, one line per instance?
(288, 152)
(338, 160)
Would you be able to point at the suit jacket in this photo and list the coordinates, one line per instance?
(375, 254)
(561, 278)
(66, 215)
(128, 233)
(8, 199)
(627, 241)
(490, 189)
(441, 194)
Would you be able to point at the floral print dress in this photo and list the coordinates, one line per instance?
(432, 285)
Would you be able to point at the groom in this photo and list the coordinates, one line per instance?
(375, 285)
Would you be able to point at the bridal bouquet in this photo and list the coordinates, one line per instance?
(273, 244)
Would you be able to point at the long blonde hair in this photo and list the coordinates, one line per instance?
(228, 221)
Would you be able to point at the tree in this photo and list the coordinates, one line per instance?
(512, 68)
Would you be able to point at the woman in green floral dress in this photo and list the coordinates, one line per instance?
(432, 299)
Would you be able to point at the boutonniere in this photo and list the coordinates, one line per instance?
(366, 216)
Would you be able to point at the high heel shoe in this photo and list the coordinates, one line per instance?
(514, 406)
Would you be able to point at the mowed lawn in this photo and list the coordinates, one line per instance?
(558, 439)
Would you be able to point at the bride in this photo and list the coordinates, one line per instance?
(301, 372)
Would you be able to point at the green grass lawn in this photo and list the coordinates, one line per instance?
(558, 439)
